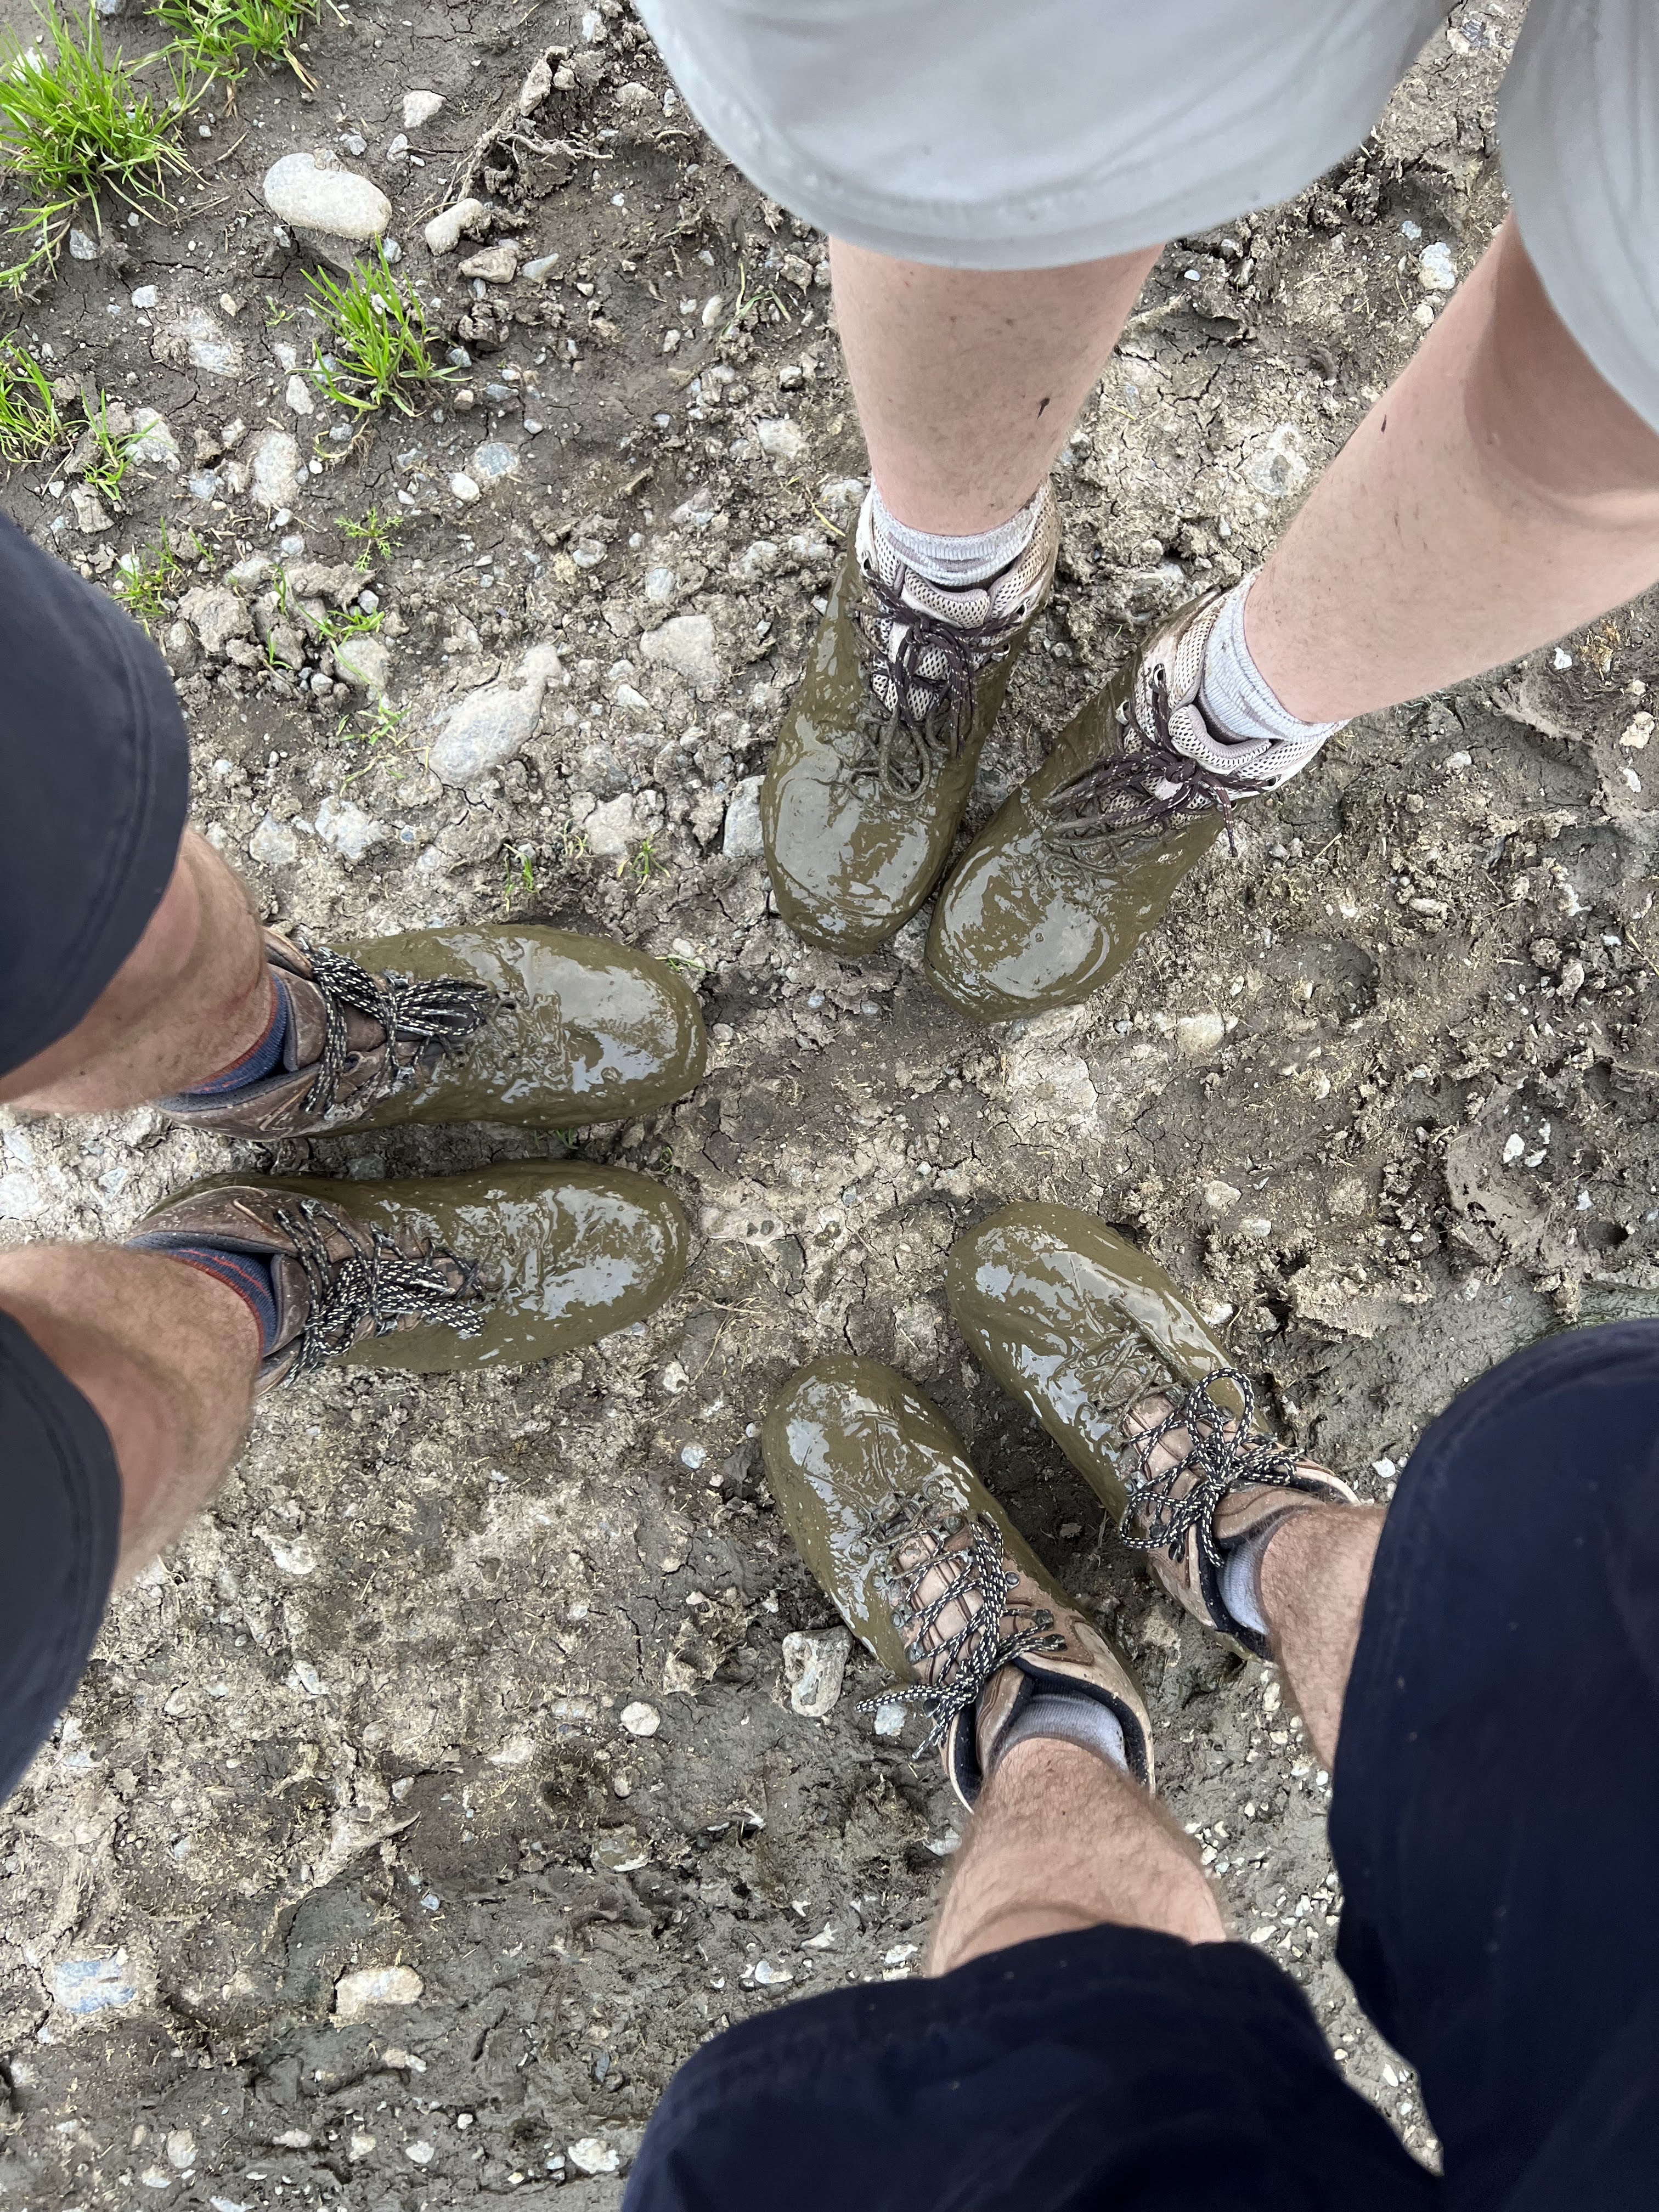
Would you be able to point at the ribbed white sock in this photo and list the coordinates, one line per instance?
(1237, 698)
(957, 562)
(1079, 1719)
(1240, 1582)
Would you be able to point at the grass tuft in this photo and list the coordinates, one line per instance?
(225, 38)
(74, 121)
(31, 424)
(147, 581)
(379, 350)
(376, 533)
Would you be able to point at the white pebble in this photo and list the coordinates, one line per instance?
(640, 1719)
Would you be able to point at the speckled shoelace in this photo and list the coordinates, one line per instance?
(1223, 1452)
(965, 1660)
(923, 687)
(1135, 789)
(383, 1286)
(442, 1010)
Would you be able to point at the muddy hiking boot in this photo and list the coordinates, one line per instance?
(873, 766)
(1094, 1339)
(504, 1266)
(1055, 894)
(503, 1023)
(928, 1572)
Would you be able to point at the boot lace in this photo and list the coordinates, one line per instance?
(1153, 784)
(436, 1015)
(382, 1286)
(963, 1661)
(923, 686)
(1223, 1451)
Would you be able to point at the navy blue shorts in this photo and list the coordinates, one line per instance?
(1496, 1802)
(94, 779)
(60, 1498)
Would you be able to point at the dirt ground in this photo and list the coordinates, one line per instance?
(344, 1877)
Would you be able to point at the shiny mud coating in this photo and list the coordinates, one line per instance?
(569, 1253)
(845, 1441)
(1077, 1325)
(849, 862)
(588, 1029)
(1023, 924)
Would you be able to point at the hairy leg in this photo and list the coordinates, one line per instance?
(967, 380)
(1499, 494)
(1060, 1840)
(192, 996)
(1315, 1573)
(164, 1355)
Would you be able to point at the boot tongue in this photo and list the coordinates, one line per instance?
(307, 1026)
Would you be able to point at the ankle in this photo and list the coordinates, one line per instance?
(957, 561)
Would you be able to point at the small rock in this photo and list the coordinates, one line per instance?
(814, 1663)
(685, 643)
(464, 487)
(275, 470)
(1513, 1148)
(770, 1977)
(366, 662)
(614, 828)
(467, 218)
(20, 1197)
(273, 844)
(356, 1995)
(90, 1985)
(152, 441)
(348, 829)
(1199, 1035)
(180, 2148)
(420, 107)
(537, 84)
(145, 296)
(316, 193)
(741, 840)
(193, 339)
(299, 398)
(660, 584)
(495, 265)
(422, 2153)
(180, 649)
(1637, 732)
(1436, 270)
(544, 266)
(780, 438)
(491, 461)
(592, 2155)
(217, 615)
(1218, 1196)
(1256, 1225)
(640, 1719)
(889, 1717)
(91, 516)
(1280, 468)
(485, 728)
(83, 245)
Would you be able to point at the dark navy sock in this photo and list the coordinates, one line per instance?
(245, 1272)
(258, 1061)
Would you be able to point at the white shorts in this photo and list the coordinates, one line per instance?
(1023, 134)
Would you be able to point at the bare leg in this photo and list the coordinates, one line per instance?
(1498, 494)
(1062, 1840)
(192, 996)
(1314, 1574)
(967, 381)
(166, 1356)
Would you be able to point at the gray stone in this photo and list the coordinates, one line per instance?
(1199, 1036)
(420, 107)
(152, 441)
(465, 488)
(814, 1663)
(492, 461)
(217, 615)
(495, 264)
(544, 266)
(486, 728)
(275, 462)
(685, 643)
(343, 825)
(146, 296)
(742, 837)
(298, 396)
(193, 339)
(467, 218)
(356, 1995)
(83, 245)
(316, 193)
(20, 1196)
(615, 826)
(273, 844)
(365, 661)
(780, 438)
(91, 515)
(181, 649)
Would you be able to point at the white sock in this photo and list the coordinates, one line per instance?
(1081, 1720)
(1241, 705)
(959, 562)
(1240, 1582)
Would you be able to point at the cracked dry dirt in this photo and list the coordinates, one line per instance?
(1381, 1089)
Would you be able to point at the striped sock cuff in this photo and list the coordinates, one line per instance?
(257, 1061)
(245, 1272)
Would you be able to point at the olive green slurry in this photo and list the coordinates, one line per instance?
(585, 1029)
(1077, 1325)
(565, 1255)
(851, 858)
(1030, 919)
